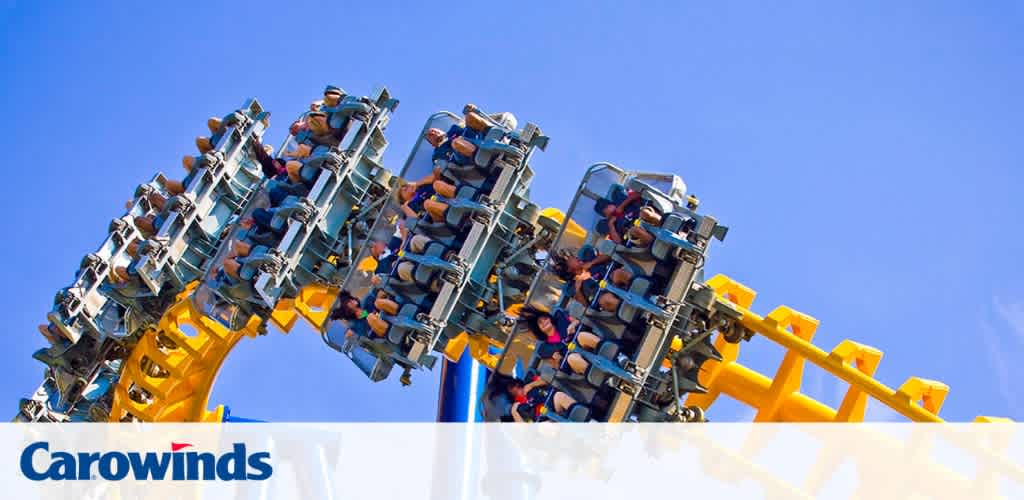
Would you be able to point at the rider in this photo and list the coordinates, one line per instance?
(362, 317)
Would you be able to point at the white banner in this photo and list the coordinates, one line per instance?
(509, 461)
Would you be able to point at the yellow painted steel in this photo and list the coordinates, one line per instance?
(573, 229)
(170, 373)
(778, 399)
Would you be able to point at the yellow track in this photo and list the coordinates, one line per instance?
(189, 348)
(778, 399)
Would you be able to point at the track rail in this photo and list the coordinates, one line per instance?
(778, 398)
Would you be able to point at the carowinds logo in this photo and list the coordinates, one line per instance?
(175, 465)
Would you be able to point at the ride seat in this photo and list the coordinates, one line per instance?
(494, 143)
(662, 249)
(635, 294)
(603, 365)
(402, 324)
(658, 200)
(603, 329)
(348, 106)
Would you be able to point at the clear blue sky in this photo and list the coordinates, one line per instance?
(867, 158)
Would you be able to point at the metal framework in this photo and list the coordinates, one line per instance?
(156, 343)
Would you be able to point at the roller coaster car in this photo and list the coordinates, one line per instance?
(177, 234)
(94, 304)
(679, 285)
(650, 299)
(340, 178)
(461, 243)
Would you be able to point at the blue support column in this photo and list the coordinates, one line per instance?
(462, 384)
(457, 463)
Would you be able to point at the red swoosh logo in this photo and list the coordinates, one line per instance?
(178, 446)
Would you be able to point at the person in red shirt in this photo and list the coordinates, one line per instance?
(557, 327)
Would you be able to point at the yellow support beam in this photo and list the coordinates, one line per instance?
(171, 371)
(864, 358)
(790, 374)
(314, 304)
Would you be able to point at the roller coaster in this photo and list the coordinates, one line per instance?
(598, 313)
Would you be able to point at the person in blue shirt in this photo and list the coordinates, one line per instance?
(362, 317)
(385, 253)
(272, 168)
(254, 232)
(621, 209)
(585, 269)
(555, 327)
(454, 146)
(204, 145)
(458, 147)
(414, 198)
(475, 119)
(149, 225)
(466, 139)
(333, 95)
